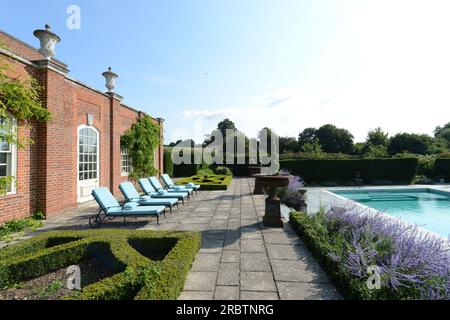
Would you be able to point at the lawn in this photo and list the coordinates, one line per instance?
(114, 264)
(208, 182)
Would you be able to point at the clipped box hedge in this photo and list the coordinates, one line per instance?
(442, 168)
(317, 171)
(127, 252)
(215, 182)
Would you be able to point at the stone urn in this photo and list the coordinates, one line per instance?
(259, 189)
(272, 217)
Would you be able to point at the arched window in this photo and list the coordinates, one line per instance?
(88, 162)
(8, 151)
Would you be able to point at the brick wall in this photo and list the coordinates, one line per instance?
(47, 172)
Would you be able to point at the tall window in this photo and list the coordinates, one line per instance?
(8, 155)
(125, 162)
(87, 154)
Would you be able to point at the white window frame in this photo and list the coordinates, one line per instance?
(13, 161)
(124, 173)
(78, 151)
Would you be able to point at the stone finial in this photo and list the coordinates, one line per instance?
(110, 78)
(48, 41)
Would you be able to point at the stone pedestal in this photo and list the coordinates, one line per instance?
(272, 217)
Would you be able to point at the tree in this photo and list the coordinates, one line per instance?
(313, 148)
(306, 136)
(376, 144)
(377, 137)
(438, 131)
(409, 142)
(227, 139)
(376, 151)
(173, 144)
(288, 144)
(335, 140)
(224, 125)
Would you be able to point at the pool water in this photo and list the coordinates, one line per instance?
(427, 208)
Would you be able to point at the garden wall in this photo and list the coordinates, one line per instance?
(369, 170)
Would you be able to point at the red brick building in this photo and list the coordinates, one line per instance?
(77, 150)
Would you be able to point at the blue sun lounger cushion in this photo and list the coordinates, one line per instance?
(130, 193)
(170, 184)
(130, 205)
(111, 207)
(158, 186)
(149, 190)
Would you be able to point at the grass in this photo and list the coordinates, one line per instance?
(208, 182)
(17, 228)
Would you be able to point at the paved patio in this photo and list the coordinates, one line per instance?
(239, 258)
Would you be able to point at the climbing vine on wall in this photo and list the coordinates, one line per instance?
(140, 141)
(19, 98)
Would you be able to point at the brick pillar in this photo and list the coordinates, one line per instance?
(114, 152)
(57, 179)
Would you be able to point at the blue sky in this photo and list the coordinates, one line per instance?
(286, 64)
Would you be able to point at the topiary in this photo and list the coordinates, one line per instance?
(223, 171)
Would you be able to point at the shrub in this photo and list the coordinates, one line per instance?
(422, 180)
(137, 276)
(18, 226)
(223, 171)
(140, 140)
(425, 165)
(210, 182)
(347, 242)
(317, 171)
(291, 196)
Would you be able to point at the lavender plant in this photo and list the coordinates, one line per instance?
(291, 195)
(412, 264)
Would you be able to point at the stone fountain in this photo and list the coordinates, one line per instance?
(272, 217)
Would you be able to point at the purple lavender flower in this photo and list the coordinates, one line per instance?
(407, 258)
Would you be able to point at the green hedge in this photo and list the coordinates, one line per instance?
(442, 168)
(136, 277)
(168, 164)
(185, 170)
(213, 182)
(316, 171)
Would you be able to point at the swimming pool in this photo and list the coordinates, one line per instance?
(427, 208)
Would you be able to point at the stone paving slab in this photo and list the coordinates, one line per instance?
(226, 293)
(257, 281)
(255, 262)
(228, 274)
(307, 291)
(239, 258)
